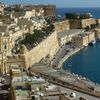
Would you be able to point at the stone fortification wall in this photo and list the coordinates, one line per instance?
(75, 24)
(88, 22)
(49, 46)
(61, 26)
(78, 24)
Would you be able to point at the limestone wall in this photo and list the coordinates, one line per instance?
(61, 26)
(48, 46)
(77, 24)
(88, 22)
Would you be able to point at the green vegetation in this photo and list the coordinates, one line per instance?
(87, 28)
(78, 16)
(86, 16)
(72, 15)
(38, 35)
(92, 26)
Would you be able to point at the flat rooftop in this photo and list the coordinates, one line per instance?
(70, 32)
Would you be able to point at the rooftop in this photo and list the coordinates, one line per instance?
(70, 32)
(83, 35)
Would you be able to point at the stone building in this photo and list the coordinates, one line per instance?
(8, 37)
(82, 23)
(66, 36)
(49, 10)
(97, 33)
(62, 26)
(83, 39)
(91, 36)
(30, 13)
(1, 6)
(80, 40)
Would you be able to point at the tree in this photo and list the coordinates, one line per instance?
(86, 16)
(93, 26)
(72, 15)
(87, 28)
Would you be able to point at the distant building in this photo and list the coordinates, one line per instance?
(97, 33)
(49, 10)
(91, 36)
(83, 39)
(30, 13)
(66, 36)
(62, 26)
(24, 10)
(82, 23)
(1, 6)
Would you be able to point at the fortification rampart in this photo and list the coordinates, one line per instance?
(49, 46)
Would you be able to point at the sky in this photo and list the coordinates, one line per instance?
(58, 3)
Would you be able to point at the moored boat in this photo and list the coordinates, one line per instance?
(92, 42)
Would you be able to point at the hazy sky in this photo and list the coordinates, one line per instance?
(58, 3)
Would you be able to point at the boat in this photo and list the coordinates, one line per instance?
(92, 42)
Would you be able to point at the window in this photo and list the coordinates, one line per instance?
(5, 45)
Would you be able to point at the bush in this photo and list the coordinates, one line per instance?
(72, 15)
(86, 16)
(38, 35)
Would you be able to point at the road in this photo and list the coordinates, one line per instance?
(67, 80)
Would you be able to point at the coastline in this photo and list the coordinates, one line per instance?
(71, 53)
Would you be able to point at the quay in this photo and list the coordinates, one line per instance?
(66, 79)
(68, 55)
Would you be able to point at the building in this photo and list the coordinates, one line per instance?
(26, 87)
(3, 63)
(1, 6)
(66, 36)
(49, 10)
(61, 26)
(10, 34)
(97, 33)
(83, 39)
(30, 13)
(82, 23)
(91, 36)
(14, 70)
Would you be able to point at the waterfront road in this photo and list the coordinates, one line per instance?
(64, 51)
(66, 79)
(60, 54)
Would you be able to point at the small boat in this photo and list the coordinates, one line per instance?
(92, 42)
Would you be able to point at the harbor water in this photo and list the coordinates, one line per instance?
(85, 63)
